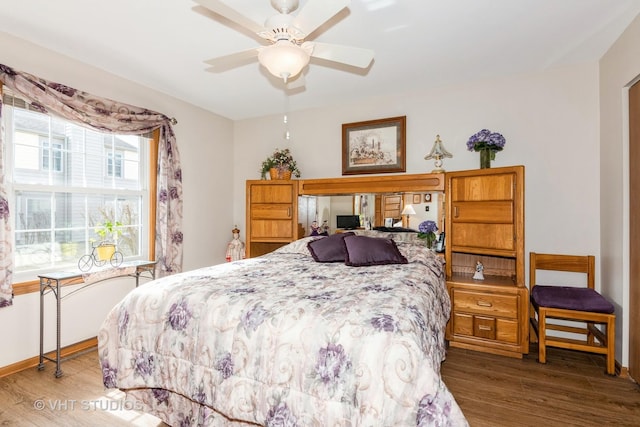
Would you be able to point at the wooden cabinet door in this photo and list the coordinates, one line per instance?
(272, 193)
(488, 224)
(483, 214)
(482, 188)
(273, 220)
(264, 229)
(271, 211)
(493, 212)
(271, 215)
(476, 237)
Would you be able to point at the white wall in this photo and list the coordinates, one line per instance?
(550, 121)
(619, 68)
(205, 142)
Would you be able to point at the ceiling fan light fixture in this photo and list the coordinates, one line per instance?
(284, 59)
(284, 6)
(287, 51)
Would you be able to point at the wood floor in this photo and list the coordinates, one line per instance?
(571, 389)
(493, 391)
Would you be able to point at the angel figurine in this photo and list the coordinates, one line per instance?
(479, 274)
(235, 248)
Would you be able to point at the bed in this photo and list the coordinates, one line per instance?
(290, 339)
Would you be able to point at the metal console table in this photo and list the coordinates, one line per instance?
(52, 282)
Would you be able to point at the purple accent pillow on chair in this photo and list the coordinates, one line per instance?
(570, 298)
(364, 251)
(329, 249)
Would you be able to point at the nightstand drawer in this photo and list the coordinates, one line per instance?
(489, 328)
(484, 327)
(485, 303)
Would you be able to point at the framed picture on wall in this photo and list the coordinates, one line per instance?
(417, 198)
(374, 146)
(427, 197)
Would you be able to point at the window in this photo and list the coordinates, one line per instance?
(66, 180)
(114, 164)
(51, 155)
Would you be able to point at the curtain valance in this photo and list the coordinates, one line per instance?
(108, 116)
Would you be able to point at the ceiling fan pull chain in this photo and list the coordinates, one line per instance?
(285, 118)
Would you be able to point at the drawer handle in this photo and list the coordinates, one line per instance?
(484, 328)
(289, 212)
(484, 304)
(455, 212)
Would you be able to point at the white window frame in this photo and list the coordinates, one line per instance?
(14, 188)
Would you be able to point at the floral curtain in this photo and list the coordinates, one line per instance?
(6, 232)
(109, 116)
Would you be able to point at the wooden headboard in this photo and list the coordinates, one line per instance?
(427, 182)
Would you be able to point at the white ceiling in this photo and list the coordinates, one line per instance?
(418, 44)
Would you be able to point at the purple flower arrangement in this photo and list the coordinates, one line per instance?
(427, 227)
(484, 139)
(427, 230)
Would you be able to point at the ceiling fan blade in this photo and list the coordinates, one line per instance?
(226, 62)
(231, 14)
(354, 56)
(317, 12)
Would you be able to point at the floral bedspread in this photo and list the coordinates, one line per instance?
(281, 340)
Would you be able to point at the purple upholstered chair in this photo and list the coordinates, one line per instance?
(571, 303)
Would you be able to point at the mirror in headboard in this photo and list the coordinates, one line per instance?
(377, 200)
(373, 210)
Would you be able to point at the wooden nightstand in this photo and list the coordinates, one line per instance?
(485, 223)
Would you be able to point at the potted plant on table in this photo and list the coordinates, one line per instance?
(109, 232)
(280, 165)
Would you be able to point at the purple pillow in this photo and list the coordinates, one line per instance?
(329, 249)
(364, 250)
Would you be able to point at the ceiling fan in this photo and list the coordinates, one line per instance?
(288, 52)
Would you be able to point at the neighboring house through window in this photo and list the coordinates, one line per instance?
(114, 164)
(51, 155)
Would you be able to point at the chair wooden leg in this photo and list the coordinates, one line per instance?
(611, 350)
(533, 330)
(542, 336)
(590, 336)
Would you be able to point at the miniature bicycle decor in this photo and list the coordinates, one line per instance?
(100, 254)
(105, 250)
